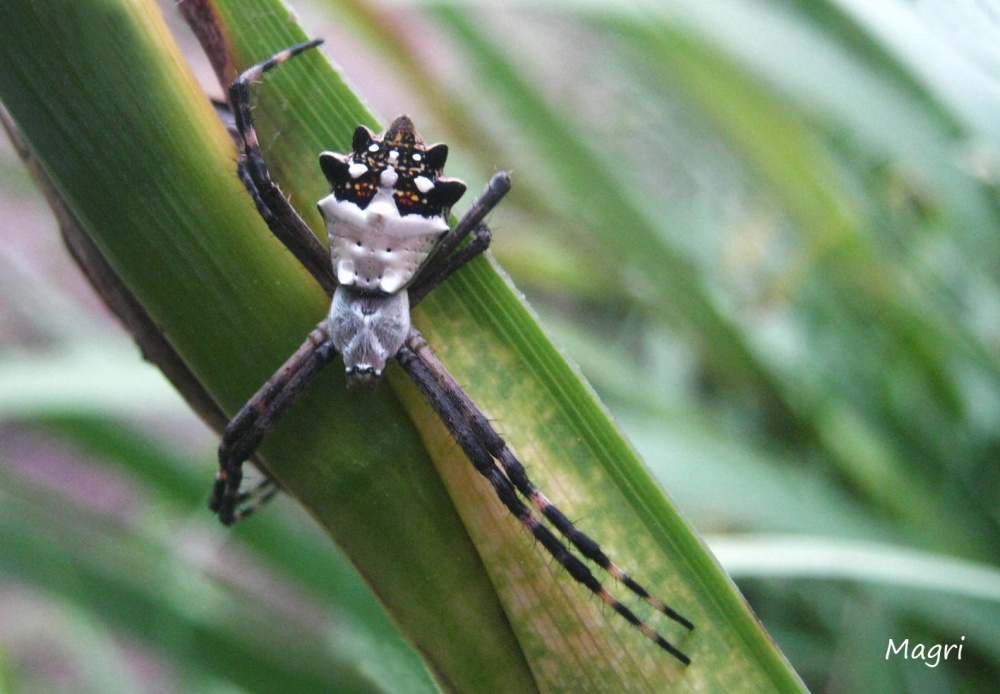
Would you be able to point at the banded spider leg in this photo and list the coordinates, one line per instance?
(389, 247)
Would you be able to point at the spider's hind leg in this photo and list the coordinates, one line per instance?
(246, 430)
(483, 446)
(256, 497)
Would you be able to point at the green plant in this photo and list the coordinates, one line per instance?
(793, 314)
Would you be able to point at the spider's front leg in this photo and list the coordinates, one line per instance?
(256, 418)
(446, 259)
(282, 219)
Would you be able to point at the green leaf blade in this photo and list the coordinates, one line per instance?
(213, 278)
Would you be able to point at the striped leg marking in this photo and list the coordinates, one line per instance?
(252, 423)
(282, 219)
(478, 440)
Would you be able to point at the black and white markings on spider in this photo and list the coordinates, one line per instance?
(385, 216)
(389, 245)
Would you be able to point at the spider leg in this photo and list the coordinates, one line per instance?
(273, 206)
(498, 186)
(515, 472)
(431, 277)
(477, 438)
(246, 430)
(446, 260)
(588, 546)
(250, 501)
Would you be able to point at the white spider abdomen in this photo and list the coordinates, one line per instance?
(377, 249)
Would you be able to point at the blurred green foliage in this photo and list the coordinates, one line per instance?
(766, 231)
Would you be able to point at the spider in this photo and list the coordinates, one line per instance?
(390, 245)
